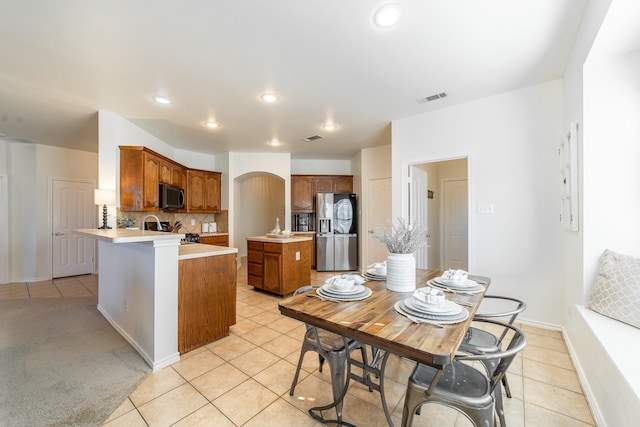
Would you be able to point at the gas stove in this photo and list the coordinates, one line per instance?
(191, 238)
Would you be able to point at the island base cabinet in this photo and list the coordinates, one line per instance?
(279, 268)
(206, 300)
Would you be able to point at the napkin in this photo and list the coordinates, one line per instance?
(429, 295)
(455, 276)
(345, 281)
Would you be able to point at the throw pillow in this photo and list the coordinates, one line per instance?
(617, 290)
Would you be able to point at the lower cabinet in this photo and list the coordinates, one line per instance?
(279, 268)
(215, 240)
(206, 299)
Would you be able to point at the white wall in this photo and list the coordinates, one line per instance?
(29, 168)
(320, 167)
(511, 141)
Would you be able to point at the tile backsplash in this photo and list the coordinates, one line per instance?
(185, 218)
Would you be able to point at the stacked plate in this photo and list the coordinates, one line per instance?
(355, 293)
(447, 313)
(372, 275)
(468, 286)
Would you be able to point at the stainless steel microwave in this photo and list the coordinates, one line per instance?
(171, 197)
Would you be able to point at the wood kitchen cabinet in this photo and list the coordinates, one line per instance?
(304, 188)
(215, 240)
(173, 174)
(203, 191)
(139, 179)
(279, 266)
(206, 299)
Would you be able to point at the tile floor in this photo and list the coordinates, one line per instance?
(244, 379)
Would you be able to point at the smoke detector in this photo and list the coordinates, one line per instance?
(430, 98)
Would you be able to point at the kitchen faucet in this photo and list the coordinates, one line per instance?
(144, 218)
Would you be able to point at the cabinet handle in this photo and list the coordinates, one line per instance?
(57, 233)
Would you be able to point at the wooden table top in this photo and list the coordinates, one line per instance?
(374, 321)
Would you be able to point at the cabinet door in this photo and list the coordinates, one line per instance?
(215, 240)
(324, 184)
(195, 196)
(212, 192)
(150, 184)
(165, 172)
(343, 184)
(272, 278)
(302, 191)
(178, 177)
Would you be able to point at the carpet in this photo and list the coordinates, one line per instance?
(62, 363)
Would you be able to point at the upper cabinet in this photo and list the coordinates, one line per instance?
(203, 191)
(304, 188)
(142, 170)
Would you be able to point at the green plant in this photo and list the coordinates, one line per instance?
(405, 238)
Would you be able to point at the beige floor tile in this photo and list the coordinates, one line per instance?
(298, 332)
(546, 341)
(156, 384)
(285, 324)
(432, 415)
(527, 329)
(261, 335)
(172, 406)
(550, 357)
(566, 402)
(513, 412)
(310, 392)
(560, 377)
(126, 406)
(215, 383)
(73, 289)
(254, 361)
(537, 416)
(130, 419)
(281, 413)
(14, 291)
(266, 317)
(243, 326)
(197, 365)
(248, 310)
(278, 377)
(231, 347)
(207, 416)
(283, 345)
(245, 401)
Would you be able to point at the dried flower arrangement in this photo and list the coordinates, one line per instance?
(125, 222)
(405, 238)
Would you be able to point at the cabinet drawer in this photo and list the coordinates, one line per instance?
(273, 247)
(256, 246)
(254, 256)
(254, 269)
(255, 281)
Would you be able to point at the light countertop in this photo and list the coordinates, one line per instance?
(198, 250)
(212, 234)
(292, 239)
(121, 235)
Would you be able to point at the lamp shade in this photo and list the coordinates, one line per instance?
(104, 197)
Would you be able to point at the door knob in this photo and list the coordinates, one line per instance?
(58, 234)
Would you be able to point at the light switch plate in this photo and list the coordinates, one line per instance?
(486, 208)
(298, 256)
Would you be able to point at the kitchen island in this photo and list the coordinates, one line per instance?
(279, 265)
(138, 290)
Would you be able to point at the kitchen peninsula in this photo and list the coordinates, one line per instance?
(140, 289)
(279, 265)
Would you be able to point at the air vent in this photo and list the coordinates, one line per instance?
(432, 98)
(312, 138)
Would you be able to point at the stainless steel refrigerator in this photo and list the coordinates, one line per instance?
(336, 232)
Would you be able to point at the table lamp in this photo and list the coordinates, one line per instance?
(104, 198)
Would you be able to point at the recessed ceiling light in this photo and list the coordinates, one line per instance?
(274, 143)
(212, 125)
(388, 15)
(162, 99)
(329, 126)
(269, 97)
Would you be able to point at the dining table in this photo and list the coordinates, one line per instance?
(376, 322)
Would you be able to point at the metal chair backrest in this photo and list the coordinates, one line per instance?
(512, 314)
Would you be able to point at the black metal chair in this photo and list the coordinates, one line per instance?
(462, 387)
(330, 347)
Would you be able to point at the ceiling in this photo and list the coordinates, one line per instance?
(65, 60)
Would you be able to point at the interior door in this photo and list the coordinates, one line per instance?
(72, 208)
(455, 224)
(418, 212)
(378, 215)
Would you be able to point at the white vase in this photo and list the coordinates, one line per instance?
(401, 272)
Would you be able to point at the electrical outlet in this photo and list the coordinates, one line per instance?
(486, 208)
(193, 222)
(298, 256)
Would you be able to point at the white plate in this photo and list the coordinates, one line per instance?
(366, 293)
(332, 289)
(372, 271)
(443, 320)
(372, 277)
(448, 308)
(477, 288)
(466, 284)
